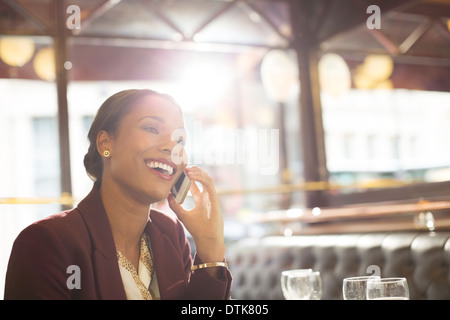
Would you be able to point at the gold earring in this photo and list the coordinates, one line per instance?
(106, 154)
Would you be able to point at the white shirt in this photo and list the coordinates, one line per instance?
(139, 284)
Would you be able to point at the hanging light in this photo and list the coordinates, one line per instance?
(374, 73)
(44, 64)
(16, 51)
(279, 74)
(334, 74)
(379, 67)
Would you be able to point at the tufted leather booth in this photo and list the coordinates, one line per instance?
(423, 258)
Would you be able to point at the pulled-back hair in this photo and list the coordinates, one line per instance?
(108, 118)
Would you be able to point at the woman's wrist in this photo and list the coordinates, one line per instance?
(210, 251)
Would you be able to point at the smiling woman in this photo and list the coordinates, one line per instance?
(123, 249)
(143, 137)
(108, 118)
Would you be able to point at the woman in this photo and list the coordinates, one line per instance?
(111, 246)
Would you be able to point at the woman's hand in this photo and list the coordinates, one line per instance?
(204, 222)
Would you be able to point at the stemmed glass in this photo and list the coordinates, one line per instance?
(284, 278)
(387, 289)
(304, 286)
(354, 288)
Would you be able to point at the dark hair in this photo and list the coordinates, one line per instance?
(108, 118)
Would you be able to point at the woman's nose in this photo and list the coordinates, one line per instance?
(171, 147)
(168, 147)
(176, 152)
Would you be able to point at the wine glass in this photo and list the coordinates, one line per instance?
(304, 286)
(316, 280)
(354, 288)
(284, 277)
(387, 289)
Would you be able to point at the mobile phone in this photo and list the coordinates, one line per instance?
(181, 188)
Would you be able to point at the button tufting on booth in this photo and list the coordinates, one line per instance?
(423, 258)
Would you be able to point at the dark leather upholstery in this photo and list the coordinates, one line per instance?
(423, 258)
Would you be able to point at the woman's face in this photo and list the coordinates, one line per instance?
(146, 149)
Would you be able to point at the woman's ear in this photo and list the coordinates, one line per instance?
(104, 143)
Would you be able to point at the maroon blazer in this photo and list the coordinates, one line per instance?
(42, 253)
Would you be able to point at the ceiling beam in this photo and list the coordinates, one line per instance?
(412, 39)
(266, 19)
(442, 28)
(161, 15)
(384, 40)
(212, 17)
(351, 22)
(96, 13)
(37, 21)
(151, 43)
(359, 55)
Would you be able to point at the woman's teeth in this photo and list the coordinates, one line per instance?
(161, 167)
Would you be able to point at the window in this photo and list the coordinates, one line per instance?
(29, 164)
(46, 157)
(396, 137)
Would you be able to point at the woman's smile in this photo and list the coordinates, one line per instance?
(162, 168)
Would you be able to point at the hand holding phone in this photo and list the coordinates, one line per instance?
(204, 221)
(181, 188)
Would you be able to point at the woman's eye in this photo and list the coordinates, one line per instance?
(180, 140)
(152, 130)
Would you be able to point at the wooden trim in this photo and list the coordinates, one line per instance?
(354, 219)
(411, 192)
(368, 211)
(405, 223)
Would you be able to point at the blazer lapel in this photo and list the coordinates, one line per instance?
(168, 264)
(106, 268)
(109, 282)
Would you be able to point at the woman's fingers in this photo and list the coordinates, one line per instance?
(195, 191)
(175, 206)
(196, 174)
(207, 204)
